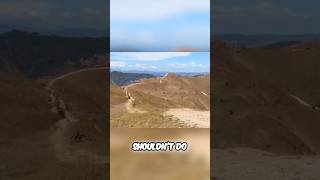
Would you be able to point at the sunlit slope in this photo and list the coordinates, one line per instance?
(118, 95)
(144, 103)
(172, 91)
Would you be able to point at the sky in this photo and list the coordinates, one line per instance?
(149, 22)
(39, 15)
(266, 16)
(161, 61)
(160, 25)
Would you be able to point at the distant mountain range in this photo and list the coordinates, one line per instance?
(261, 40)
(121, 78)
(68, 32)
(80, 32)
(154, 73)
(125, 78)
(34, 55)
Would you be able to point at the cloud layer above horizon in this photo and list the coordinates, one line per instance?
(161, 61)
(37, 15)
(160, 25)
(266, 16)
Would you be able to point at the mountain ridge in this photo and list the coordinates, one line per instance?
(36, 55)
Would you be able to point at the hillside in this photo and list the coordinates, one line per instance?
(121, 78)
(85, 95)
(54, 128)
(118, 95)
(267, 99)
(34, 55)
(160, 101)
(177, 91)
(24, 105)
(261, 40)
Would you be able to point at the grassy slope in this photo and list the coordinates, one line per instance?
(86, 97)
(28, 142)
(155, 98)
(24, 107)
(253, 107)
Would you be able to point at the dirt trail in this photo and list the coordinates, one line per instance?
(304, 103)
(129, 104)
(60, 135)
(163, 78)
(194, 118)
(301, 101)
(52, 82)
(130, 107)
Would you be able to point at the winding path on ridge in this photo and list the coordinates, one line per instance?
(193, 118)
(304, 103)
(61, 132)
(129, 104)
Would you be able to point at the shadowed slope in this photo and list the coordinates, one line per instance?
(25, 107)
(253, 101)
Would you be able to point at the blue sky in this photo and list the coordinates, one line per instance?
(160, 25)
(161, 61)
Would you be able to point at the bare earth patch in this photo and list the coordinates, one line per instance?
(131, 109)
(195, 118)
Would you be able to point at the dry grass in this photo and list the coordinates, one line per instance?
(146, 120)
(86, 97)
(27, 149)
(24, 107)
(154, 96)
(253, 107)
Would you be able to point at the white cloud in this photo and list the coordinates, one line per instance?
(147, 56)
(187, 65)
(154, 9)
(194, 37)
(144, 67)
(117, 64)
(125, 36)
(125, 66)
